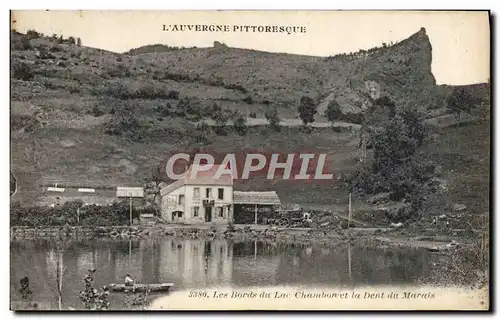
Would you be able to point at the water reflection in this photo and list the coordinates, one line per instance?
(202, 263)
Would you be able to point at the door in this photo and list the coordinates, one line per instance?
(208, 214)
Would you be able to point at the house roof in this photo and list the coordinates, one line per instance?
(207, 177)
(256, 197)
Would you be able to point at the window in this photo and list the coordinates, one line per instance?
(220, 212)
(208, 193)
(181, 199)
(221, 193)
(179, 215)
(196, 211)
(196, 194)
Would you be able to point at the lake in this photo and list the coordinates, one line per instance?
(201, 264)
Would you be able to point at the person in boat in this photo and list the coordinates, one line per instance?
(128, 280)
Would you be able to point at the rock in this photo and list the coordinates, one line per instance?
(381, 197)
(440, 184)
(396, 225)
(459, 207)
(66, 143)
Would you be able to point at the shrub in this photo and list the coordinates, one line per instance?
(460, 100)
(33, 34)
(96, 111)
(238, 87)
(71, 40)
(240, 125)
(350, 117)
(94, 299)
(253, 115)
(333, 111)
(273, 118)
(220, 117)
(248, 100)
(203, 133)
(55, 48)
(79, 42)
(22, 71)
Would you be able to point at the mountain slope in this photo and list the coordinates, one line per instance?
(67, 99)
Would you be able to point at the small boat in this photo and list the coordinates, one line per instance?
(155, 287)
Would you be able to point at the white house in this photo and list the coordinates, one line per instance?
(204, 198)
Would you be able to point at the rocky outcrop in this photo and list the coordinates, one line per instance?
(401, 71)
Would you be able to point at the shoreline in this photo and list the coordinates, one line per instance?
(372, 237)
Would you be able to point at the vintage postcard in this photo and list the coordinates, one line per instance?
(250, 160)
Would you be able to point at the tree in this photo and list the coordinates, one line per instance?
(273, 118)
(397, 167)
(307, 109)
(79, 42)
(333, 111)
(72, 40)
(460, 100)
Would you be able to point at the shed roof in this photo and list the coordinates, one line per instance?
(133, 192)
(256, 197)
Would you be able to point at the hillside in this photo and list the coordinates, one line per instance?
(87, 116)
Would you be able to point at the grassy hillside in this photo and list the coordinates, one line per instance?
(86, 116)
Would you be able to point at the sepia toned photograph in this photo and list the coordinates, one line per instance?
(249, 160)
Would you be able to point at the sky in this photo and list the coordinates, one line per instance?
(460, 40)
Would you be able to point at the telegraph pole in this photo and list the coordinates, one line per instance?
(130, 198)
(350, 213)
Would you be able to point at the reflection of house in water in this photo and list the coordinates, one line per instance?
(255, 263)
(196, 262)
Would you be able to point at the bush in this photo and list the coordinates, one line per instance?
(240, 126)
(333, 111)
(71, 40)
(248, 100)
(55, 48)
(220, 117)
(273, 118)
(22, 71)
(96, 111)
(91, 298)
(33, 34)
(148, 92)
(91, 216)
(460, 101)
(203, 133)
(238, 87)
(357, 118)
(253, 115)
